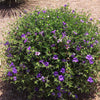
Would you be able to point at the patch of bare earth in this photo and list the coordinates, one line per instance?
(10, 15)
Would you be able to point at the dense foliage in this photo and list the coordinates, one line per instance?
(53, 53)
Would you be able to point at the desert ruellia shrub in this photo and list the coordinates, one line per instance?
(52, 53)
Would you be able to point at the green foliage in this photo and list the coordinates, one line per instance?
(53, 53)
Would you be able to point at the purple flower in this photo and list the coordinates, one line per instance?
(15, 78)
(37, 53)
(75, 33)
(46, 63)
(63, 60)
(82, 21)
(57, 16)
(53, 45)
(68, 41)
(55, 73)
(91, 45)
(91, 62)
(61, 77)
(36, 33)
(55, 37)
(53, 93)
(91, 19)
(41, 61)
(73, 55)
(55, 57)
(96, 41)
(63, 35)
(86, 33)
(53, 31)
(64, 23)
(59, 94)
(44, 11)
(67, 47)
(14, 70)
(83, 62)
(7, 43)
(29, 48)
(12, 64)
(87, 41)
(38, 75)
(9, 74)
(84, 40)
(78, 48)
(89, 57)
(65, 5)
(58, 87)
(62, 70)
(75, 60)
(23, 35)
(25, 40)
(9, 55)
(42, 33)
(9, 49)
(96, 33)
(76, 96)
(92, 38)
(59, 40)
(90, 80)
(39, 13)
(43, 79)
(73, 11)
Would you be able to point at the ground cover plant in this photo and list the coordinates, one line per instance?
(52, 53)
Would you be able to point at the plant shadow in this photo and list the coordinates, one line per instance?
(14, 10)
(9, 92)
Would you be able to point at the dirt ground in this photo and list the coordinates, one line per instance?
(10, 15)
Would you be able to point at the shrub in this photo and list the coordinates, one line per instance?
(53, 53)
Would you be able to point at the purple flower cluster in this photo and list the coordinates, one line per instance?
(59, 40)
(38, 75)
(75, 60)
(15, 78)
(14, 70)
(7, 43)
(64, 23)
(55, 57)
(43, 79)
(23, 35)
(78, 48)
(86, 33)
(12, 64)
(63, 35)
(82, 21)
(61, 78)
(90, 80)
(62, 70)
(29, 48)
(9, 74)
(90, 58)
(56, 73)
(53, 31)
(25, 40)
(75, 33)
(68, 41)
(53, 45)
(46, 63)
